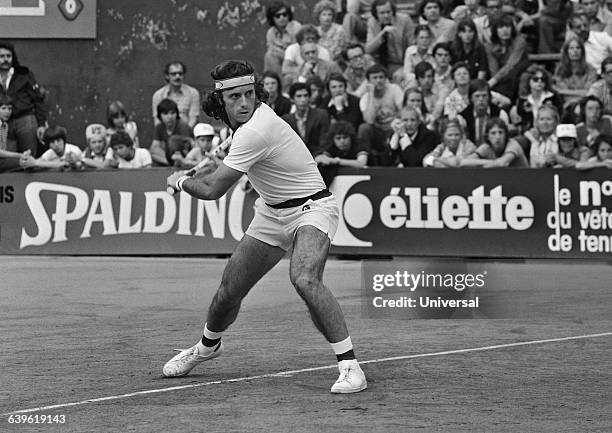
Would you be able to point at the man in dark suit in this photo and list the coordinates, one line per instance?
(480, 110)
(311, 124)
(340, 104)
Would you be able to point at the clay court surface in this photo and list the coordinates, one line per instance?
(86, 338)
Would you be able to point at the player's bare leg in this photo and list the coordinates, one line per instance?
(310, 248)
(251, 260)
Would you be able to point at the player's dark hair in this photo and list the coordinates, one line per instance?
(167, 106)
(213, 104)
(53, 133)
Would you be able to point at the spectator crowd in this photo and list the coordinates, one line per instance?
(478, 83)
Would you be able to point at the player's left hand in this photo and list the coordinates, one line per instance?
(171, 180)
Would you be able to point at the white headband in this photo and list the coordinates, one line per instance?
(234, 82)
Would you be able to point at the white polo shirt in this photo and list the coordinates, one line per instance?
(274, 157)
(50, 154)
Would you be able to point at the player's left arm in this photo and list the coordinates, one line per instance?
(208, 185)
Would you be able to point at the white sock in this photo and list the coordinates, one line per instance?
(342, 346)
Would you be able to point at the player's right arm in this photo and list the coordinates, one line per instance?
(207, 185)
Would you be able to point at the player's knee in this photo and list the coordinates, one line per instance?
(304, 282)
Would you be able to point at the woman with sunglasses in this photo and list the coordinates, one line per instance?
(535, 91)
(280, 35)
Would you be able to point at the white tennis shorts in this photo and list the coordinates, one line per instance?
(277, 227)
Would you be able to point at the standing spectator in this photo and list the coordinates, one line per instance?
(186, 97)
(480, 111)
(602, 89)
(358, 63)
(411, 139)
(122, 153)
(333, 36)
(311, 124)
(97, 140)
(280, 35)
(507, 56)
(535, 91)
(542, 139)
(597, 45)
(600, 18)
(59, 156)
(389, 35)
(454, 147)
(498, 149)
(593, 123)
(552, 22)
(573, 75)
(272, 84)
(417, 53)
(293, 60)
(341, 105)
(430, 13)
(355, 20)
(29, 114)
(467, 47)
(379, 105)
(170, 125)
(117, 120)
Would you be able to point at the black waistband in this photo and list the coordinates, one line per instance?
(294, 202)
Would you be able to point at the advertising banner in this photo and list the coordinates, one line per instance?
(514, 213)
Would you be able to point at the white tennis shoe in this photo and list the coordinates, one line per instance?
(184, 362)
(351, 378)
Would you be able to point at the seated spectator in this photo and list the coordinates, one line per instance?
(293, 60)
(542, 141)
(271, 83)
(593, 123)
(313, 66)
(379, 105)
(318, 91)
(358, 63)
(552, 22)
(411, 140)
(597, 45)
(59, 156)
(603, 154)
(430, 13)
(118, 120)
(467, 47)
(458, 99)
(569, 153)
(95, 152)
(413, 97)
(340, 105)
(419, 52)
(281, 34)
(170, 125)
(453, 149)
(573, 75)
(342, 148)
(535, 91)
(333, 36)
(311, 124)
(204, 142)
(476, 115)
(442, 66)
(507, 57)
(122, 153)
(498, 150)
(600, 18)
(187, 98)
(9, 157)
(434, 94)
(389, 35)
(602, 89)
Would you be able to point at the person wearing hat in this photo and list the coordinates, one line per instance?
(123, 154)
(94, 154)
(205, 140)
(569, 152)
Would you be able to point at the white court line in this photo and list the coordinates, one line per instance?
(303, 370)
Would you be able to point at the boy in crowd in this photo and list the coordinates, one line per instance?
(123, 154)
(60, 155)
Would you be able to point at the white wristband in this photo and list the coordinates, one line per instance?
(180, 181)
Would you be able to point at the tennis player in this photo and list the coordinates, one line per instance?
(294, 210)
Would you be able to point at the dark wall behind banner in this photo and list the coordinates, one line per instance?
(135, 39)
